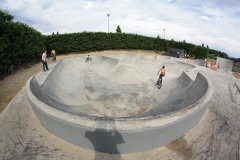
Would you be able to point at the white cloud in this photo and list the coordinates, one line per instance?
(88, 6)
(214, 23)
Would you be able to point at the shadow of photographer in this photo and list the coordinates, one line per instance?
(105, 139)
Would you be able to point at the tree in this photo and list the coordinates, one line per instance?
(207, 51)
(118, 30)
(6, 17)
(19, 44)
(199, 52)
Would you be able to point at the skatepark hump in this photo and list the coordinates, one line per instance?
(113, 93)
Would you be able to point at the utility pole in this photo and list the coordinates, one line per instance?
(108, 21)
(164, 33)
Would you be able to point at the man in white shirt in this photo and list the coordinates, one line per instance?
(44, 61)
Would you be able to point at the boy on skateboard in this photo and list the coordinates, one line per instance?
(162, 72)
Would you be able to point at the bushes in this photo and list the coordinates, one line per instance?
(90, 41)
(19, 44)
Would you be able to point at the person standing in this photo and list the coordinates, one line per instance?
(212, 64)
(44, 61)
(53, 53)
(206, 62)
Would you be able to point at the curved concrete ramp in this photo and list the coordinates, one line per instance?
(110, 87)
(80, 103)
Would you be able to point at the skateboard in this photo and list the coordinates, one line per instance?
(88, 59)
(159, 84)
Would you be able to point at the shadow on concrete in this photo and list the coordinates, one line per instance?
(105, 141)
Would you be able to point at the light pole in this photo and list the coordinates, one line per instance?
(164, 33)
(108, 21)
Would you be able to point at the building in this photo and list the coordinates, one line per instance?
(178, 53)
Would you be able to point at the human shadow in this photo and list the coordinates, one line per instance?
(105, 139)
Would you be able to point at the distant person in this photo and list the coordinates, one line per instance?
(206, 62)
(44, 61)
(218, 65)
(162, 72)
(212, 64)
(88, 58)
(54, 58)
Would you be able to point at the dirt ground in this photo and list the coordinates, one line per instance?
(11, 85)
(237, 75)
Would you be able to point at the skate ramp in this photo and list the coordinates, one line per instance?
(116, 88)
(224, 64)
(78, 98)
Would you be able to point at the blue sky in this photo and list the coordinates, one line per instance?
(215, 23)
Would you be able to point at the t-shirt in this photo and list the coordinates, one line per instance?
(44, 57)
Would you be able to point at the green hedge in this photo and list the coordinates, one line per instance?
(97, 41)
(19, 44)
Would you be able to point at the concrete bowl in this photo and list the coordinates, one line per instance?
(111, 104)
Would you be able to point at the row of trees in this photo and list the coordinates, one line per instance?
(97, 41)
(21, 45)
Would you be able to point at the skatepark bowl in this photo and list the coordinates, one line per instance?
(112, 104)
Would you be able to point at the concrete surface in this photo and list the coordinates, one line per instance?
(114, 87)
(110, 90)
(224, 64)
(215, 137)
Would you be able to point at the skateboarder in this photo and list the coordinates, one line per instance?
(88, 58)
(162, 72)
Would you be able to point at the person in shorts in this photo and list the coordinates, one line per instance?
(162, 72)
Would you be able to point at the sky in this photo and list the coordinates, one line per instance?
(215, 23)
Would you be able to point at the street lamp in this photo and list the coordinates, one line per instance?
(108, 21)
(164, 33)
